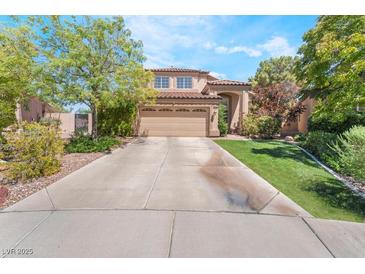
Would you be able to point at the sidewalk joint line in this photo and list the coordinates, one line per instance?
(49, 197)
(30, 232)
(171, 234)
(152, 209)
(156, 178)
(315, 233)
(268, 202)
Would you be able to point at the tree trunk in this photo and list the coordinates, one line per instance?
(94, 119)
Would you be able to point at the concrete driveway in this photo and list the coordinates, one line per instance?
(169, 197)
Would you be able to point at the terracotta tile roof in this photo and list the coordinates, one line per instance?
(185, 95)
(174, 69)
(227, 83)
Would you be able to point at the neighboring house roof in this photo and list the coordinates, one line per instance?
(174, 69)
(185, 95)
(227, 83)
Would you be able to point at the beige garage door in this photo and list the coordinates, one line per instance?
(173, 122)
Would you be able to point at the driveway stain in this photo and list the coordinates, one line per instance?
(236, 188)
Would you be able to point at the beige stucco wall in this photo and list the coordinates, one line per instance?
(303, 118)
(33, 110)
(289, 129)
(301, 125)
(67, 122)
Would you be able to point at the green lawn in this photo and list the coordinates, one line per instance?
(296, 175)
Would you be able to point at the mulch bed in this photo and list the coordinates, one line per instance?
(70, 163)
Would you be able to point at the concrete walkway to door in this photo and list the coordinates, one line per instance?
(170, 197)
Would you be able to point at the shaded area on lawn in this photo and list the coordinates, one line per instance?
(296, 175)
(337, 194)
(289, 152)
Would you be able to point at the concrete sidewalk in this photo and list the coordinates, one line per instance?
(150, 233)
(170, 197)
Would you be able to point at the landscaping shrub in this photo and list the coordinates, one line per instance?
(318, 143)
(222, 120)
(300, 137)
(86, 144)
(335, 123)
(249, 126)
(117, 120)
(268, 126)
(260, 126)
(48, 121)
(350, 149)
(33, 150)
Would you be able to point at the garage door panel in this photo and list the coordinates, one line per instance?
(166, 123)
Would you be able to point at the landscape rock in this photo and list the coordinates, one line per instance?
(289, 139)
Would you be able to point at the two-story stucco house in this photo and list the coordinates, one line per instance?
(187, 104)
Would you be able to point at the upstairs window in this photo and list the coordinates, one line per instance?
(162, 82)
(184, 82)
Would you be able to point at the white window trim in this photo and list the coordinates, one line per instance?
(184, 82)
(162, 76)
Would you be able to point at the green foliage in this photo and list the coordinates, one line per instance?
(18, 71)
(268, 126)
(87, 144)
(260, 126)
(331, 122)
(350, 149)
(93, 61)
(117, 120)
(222, 120)
(34, 150)
(276, 89)
(300, 137)
(249, 126)
(47, 121)
(275, 71)
(319, 144)
(332, 63)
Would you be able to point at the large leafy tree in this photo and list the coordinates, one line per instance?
(92, 61)
(18, 71)
(332, 63)
(275, 89)
(275, 70)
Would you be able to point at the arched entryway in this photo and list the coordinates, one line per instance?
(231, 101)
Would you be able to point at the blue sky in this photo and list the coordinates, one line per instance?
(231, 47)
(228, 46)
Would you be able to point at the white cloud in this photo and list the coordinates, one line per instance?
(229, 50)
(209, 45)
(164, 36)
(278, 46)
(218, 75)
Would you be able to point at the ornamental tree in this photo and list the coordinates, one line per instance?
(332, 63)
(275, 89)
(277, 101)
(92, 61)
(18, 71)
